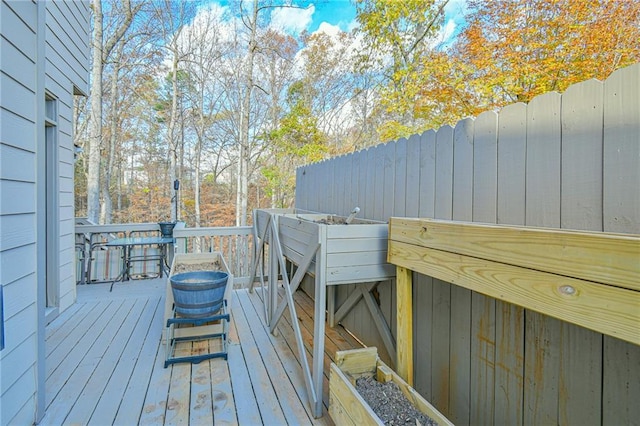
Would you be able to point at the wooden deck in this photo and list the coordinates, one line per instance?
(105, 364)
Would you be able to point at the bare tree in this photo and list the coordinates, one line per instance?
(101, 51)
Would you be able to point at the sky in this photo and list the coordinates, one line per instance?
(331, 15)
(342, 13)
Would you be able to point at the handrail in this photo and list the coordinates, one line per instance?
(212, 231)
(116, 227)
(234, 242)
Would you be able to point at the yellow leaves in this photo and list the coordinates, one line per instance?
(543, 45)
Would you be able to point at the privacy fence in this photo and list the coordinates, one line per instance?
(568, 161)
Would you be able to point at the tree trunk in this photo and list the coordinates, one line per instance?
(101, 51)
(95, 138)
(107, 205)
(245, 152)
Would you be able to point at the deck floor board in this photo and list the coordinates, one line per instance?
(105, 364)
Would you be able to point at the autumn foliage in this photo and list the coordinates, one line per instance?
(322, 94)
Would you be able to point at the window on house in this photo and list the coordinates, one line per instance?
(52, 205)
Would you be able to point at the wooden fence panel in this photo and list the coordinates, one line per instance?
(483, 308)
(441, 298)
(580, 381)
(460, 334)
(423, 289)
(389, 171)
(562, 161)
(509, 356)
(370, 197)
(621, 191)
(412, 179)
(542, 333)
(378, 204)
(400, 179)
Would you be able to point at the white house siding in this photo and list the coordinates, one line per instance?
(67, 26)
(24, 77)
(18, 46)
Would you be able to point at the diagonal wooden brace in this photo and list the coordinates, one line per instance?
(314, 398)
(295, 282)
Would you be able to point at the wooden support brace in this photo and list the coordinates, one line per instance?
(351, 301)
(404, 346)
(380, 323)
(314, 398)
(293, 284)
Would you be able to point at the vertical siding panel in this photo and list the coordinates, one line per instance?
(423, 285)
(400, 179)
(389, 180)
(412, 179)
(362, 182)
(411, 196)
(441, 319)
(621, 372)
(580, 388)
(342, 185)
(483, 312)
(462, 199)
(322, 188)
(354, 181)
(338, 186)
(378, 173)
(345, 184)
(509, 372)
(370, 204)
(301, 190)
(387, 289)
(542, 346)
(427, 174)
(460, 340)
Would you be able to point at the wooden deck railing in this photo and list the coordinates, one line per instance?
(234, 242)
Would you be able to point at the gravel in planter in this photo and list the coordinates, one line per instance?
(390, 404)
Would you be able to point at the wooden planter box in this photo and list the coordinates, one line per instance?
(347, 407)
(348, 254)
(194, 259)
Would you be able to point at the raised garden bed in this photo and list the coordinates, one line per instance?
(348, 407)
(188, 262)
(349, 254)
(333, 252)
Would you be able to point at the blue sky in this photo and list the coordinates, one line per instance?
(342, 13)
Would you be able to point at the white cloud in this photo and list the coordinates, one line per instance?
(445, 35)
(328, 29)
(292, 20)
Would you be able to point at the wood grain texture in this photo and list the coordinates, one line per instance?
(404, 333)
(540, 291)
(580, 373)
(594, 256)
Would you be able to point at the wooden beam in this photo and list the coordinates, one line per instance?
(404, 339)
(603, 308)
(612, 259)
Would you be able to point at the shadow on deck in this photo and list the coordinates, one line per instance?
(105, 364)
